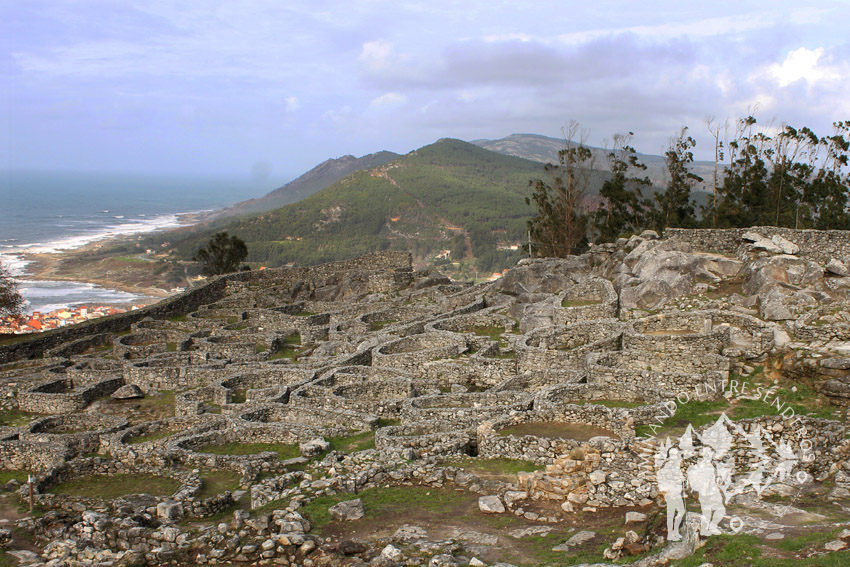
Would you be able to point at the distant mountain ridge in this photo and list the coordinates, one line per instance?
(449, 195)
(323, 175)
(545, 149)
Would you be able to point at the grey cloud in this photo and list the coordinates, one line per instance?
(531, 64)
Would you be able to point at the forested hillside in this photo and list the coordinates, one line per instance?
(323, 175)
(450, 195)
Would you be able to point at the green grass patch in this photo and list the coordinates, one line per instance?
(380, 502)
(290, 348)
(170, 347)
(493, 466)
(260, 348)
(378, 325)
(695, 413)
(493, 332)
(116, 486)
(388, 422)
(178, 318)
(813, 539)
(163, 398)
(15, 418)
(239, 396)
(284, 451)
(20, 476)
(217, 482)
(503, 354)
(353, 443)
(744, 550)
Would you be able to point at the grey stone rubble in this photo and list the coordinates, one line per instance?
(435, 370)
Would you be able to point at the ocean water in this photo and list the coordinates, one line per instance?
(56, 211)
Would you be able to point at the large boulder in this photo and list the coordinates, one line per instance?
(544, 275)
(128, 392)
(348, 510)
(783, 270)
(491, 504)
(654, 272)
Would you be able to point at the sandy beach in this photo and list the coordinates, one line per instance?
(82, 264)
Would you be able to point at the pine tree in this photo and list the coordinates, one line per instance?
(560, 227)
(624, 208)
(675, 206)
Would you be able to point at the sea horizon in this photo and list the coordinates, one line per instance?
(53, 212)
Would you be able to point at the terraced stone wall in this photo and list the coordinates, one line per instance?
(818, 245)
(390, 271)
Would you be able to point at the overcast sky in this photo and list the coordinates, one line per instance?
(235, 87)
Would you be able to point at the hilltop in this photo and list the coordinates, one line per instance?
(323, 175)
(450, 195)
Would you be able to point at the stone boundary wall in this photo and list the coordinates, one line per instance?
(818, 245)
(80, 432)
(594, 289)
(604, 366)
(398, 264)
(274, 488)
(54, 397)
(79, 346)
(626, 476)
(286, 415)
(542, 450)
(676, 332)
(425, 439)
(410, 353)
(478, 370)
(184, 498)
(807, 329)
(168, 373)
(575, 393)
(192, 402)
(465, 408)
(32, 456)
(553, 351)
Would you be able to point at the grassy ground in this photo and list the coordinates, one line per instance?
(15, 418)
(379, 501)
(493, 332)
(6, 476)
(162, 434)
(749, 551)
(694, 413)
(284, 451)
(353, 443)
(116, 486)
(378, 325)
(291, 348)
(441, 510)
(217, 482)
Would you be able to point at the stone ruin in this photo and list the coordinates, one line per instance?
(570, 364)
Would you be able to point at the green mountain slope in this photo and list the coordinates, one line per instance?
(450, 195)
(323, 175)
